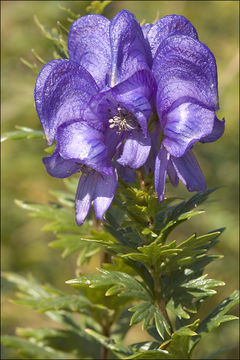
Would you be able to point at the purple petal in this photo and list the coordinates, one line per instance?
(89, 46)
(184, 67)
(58, 167)
(127, 174)
(84, 196)
(172, 174)
(130, 52)
(189, 172)
(135, 150)
(185, 125)
(167, 26)
(62, 91)
(104, 192)
(145, 29)
(217, 131)
(141, 83)
(160, 172)
(81, 143)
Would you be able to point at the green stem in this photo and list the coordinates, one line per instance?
(160, 302)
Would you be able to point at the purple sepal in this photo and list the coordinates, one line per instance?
(161, 165)
(189, 172)
(186, 125)
(135, 150)
(167, 26)
(184, 68)
(130, 52)
(217, 131)
(97, 188)
(81, 143)
(62, 91)
(58, 167)
(89, 46)
(105, 190)
(84, 196)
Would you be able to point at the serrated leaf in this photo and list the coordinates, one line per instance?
(32, 350)
(109, 343)
(217, 316)
(63, 340)
(130, 287)
(201, 286)
(62, 220)
(53, 35)
(161, 324)
(65, 198)
(152, 354)
(71, 243)
(73, 303)
(169, 218)
(97, 7)
(22, 133)
(142, 312)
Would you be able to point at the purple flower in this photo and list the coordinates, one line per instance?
(96, 104)
(186, 100)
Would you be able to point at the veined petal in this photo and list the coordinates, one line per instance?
(62, 91)
(130, 51)
(84, 196)
(145, 29)
(89, 46)
(105, 189)
(184, 67)
(189, 172)
(160, 172)
(58, 167)
(217, 131)
(167, 26)
(135, 150)
(172, 174)
(81, 143)
(141, 83)
(126, 173)
(185, 125)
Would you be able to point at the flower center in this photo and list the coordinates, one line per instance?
(123, 120)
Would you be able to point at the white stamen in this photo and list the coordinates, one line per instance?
(124, 120)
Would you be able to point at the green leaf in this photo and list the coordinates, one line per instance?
(97, 7)
(168, 218)
(179, 344)
(22, 133)
(152, 354)
(71, 243)
(201, 286)
(130, 287)
(217, 316)
(61, 219)
(142, 312)
(32, 66)
(155, 254)
(59, 41)
(73, 303)
(32, 350)
(161, 324)
(63, 340)
(109, 343)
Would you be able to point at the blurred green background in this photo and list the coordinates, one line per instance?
(24, 245)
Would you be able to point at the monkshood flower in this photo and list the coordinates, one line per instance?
(186, 100)
(95, 104)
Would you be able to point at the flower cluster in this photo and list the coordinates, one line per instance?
(96, 105)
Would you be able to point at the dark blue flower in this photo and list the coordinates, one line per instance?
(186, 100)
(96, 104)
